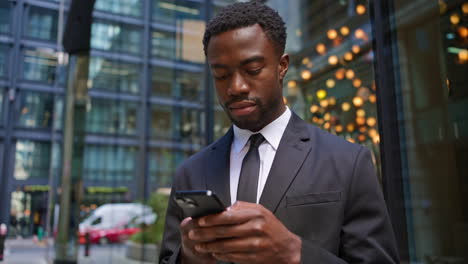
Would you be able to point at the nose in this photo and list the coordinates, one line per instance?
(238, 85)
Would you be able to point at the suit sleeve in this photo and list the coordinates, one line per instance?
(366, 234)
(170, 247)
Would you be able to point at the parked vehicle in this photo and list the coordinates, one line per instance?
(115, 223)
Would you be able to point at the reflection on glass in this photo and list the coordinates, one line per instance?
(190, 84)
(432, 97)
(330, 78)
(112, 117)
(36, 110)
(116, 37)
(1, 107)
(221, 123)
(191, 126)
(32, 160)
(114, 75)
(163, 44)
(4, 17)
(169, 11)
(162, 81)
(123, 7)
(3, 59)
(162, 122)
(39, 65)
(109, 163)
(42, 24)
(164, 162)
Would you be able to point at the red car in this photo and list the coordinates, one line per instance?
(117, 234)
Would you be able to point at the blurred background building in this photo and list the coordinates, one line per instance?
(391, 76)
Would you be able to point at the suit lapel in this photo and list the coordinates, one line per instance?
(217, 172)
(290, 155)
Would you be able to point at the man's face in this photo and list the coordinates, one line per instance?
(248, 74)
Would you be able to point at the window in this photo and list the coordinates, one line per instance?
(190, 85)
(114, 75)
(4, 17)
(1, 106)
(32, 160)
(109, 163)
(112, 117)
(39, 65)
(116, 37)
(4, 52)
(42, 24)
(162, 122)
(221, 123)
(36, 110)
(168, 11)
(163, 163)
(162, 81)
(192, 125)
(164, 44)
(123, 7)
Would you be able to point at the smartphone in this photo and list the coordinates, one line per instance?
(198, 203)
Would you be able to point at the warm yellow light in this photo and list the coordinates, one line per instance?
(350, 74)
(324, 103)
(363, 129)
(332, 34)
(356, 49)
(372, 132)
(455, 19)
(357, 101)
(357, 82)
(360, 120)
(351, 140)
(321, 48)
(465, 8)
(344, 30)
(321, 94)
(339, 128)
(348, 56)
(442, 7)
(350, 127)
(340, 74)
(330, 83)
(332, 101)
(372, 98)
(327, 117)
(298, 32)
(306, 74)
(346, 106)
(315, 119)
(361, 113)
(376, 139)
(305, 60)
(320, 121)
(314, 109)
(360, 34)
(360, 9)
(463, 32)
(292, 84)
(371, 121)
(362, 138)
(285, 100)
(333, 60)
(463, 55)
(326, 126)
(309, 65)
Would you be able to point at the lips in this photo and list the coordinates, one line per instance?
(242, 108)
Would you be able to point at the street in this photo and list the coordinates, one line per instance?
(27, 251)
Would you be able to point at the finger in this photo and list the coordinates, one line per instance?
(232, 245)
(231, 217)
(248, 229)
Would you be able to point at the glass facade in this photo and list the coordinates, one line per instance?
(170, 11)
(109, 163)
(39, 65)
(112, 117)
(36, 110)
(41, 24)
(116, 37)
(114, 76)
(32, 160)
(3, 60)
(121, 7)
(4, 17)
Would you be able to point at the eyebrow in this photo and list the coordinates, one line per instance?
(244, 62)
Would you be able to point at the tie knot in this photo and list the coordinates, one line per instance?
(256, 140)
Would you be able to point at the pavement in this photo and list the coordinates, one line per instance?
(30, 251)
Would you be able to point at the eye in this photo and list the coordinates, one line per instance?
(254, 72)
(221, 77)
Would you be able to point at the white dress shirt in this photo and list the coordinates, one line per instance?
(272, 133)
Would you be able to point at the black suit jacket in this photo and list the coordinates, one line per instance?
(321, 187)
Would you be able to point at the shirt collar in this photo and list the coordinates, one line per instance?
(271, 132)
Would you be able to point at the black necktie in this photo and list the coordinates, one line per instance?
(248, 180)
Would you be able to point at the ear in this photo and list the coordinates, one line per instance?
(283, 66)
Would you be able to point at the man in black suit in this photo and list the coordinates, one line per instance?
(298, 194)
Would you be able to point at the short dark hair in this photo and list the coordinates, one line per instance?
(247, 14)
